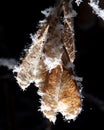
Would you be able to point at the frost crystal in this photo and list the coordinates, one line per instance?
(78, 2)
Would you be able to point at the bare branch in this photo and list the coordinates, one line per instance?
(9, 63)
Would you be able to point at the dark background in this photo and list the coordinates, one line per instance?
(18, 109)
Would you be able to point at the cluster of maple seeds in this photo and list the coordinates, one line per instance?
(48, 64)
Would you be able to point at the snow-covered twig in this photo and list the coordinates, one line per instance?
(97, 10)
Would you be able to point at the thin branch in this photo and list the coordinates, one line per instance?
(94, 100)
(9, 63)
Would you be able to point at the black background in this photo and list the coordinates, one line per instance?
(18, 109)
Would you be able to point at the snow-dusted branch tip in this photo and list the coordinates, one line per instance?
(97, 10)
